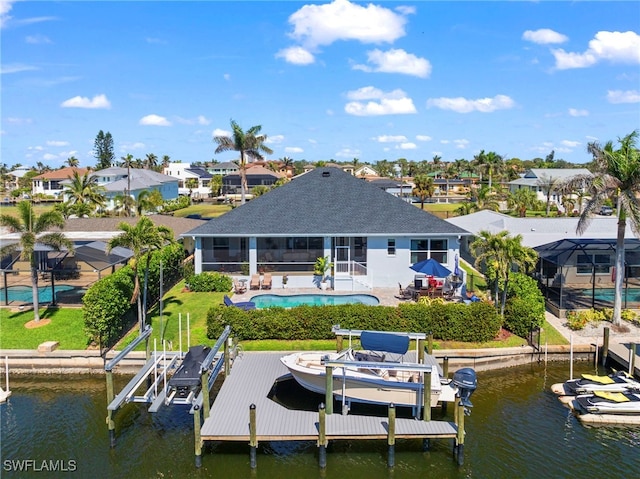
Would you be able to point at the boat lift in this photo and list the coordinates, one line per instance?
(156, 374)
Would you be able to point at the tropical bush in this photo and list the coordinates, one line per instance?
(209, 281)
(525, 307)
(176, 204)
(454, 322)
(577, 320)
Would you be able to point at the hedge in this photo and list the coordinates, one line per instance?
(476, 322)
(525, 305)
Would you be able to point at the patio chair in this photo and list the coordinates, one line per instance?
(246, 305)
(266, 281)
(239, 287)
(255, 282)
(404, 294)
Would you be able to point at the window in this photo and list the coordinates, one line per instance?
(585, 262)
(391, 247)
(422, 249)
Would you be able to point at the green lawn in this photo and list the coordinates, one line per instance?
(205, 210)
(66, 327)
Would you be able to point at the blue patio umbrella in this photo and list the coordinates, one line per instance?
(431, 267)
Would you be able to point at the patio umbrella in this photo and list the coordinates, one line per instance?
(431, 267)
(456, 268)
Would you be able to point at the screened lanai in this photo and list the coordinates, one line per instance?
(580, 274)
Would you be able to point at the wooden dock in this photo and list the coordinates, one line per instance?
(252, 378)
(621, 354)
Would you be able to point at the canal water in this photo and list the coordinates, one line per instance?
(54, 426)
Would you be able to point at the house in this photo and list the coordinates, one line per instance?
(366, 171)
(348, 168)
(223, 169)
(535, 180)
(256, 176)
(573, 269)
(117, 181)
(15, 175)
(371, 237)
(52, 183)
(193, 181)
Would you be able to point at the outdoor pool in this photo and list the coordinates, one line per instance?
(23, 294)
(607, 294)
(270, 300)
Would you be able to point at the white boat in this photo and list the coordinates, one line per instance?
(603, 402)
(589, 383)
(370, 377)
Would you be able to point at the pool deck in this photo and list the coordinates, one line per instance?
(387, 296)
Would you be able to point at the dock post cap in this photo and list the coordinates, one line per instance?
(252, 406)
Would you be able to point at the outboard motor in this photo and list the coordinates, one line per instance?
(466, 381)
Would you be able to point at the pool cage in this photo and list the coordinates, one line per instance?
(580, 273)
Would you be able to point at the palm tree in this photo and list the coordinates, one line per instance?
(33, 230)
(493, 164)
(479, 163)
(522, 199)
(142, 237)
(127, 161)
(424, 188)
(549, 185)
(148, 200)
(486, 199)
(249, 144)
(84, 190)
(72, 161)
(499, 253)
(151, 162)
(465, 208)
(617, 174)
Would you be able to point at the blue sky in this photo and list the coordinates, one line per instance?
(326, 80)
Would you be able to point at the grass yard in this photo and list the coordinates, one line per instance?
(66, 327)
(205, 210)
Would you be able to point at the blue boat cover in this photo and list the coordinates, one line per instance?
(389, 342)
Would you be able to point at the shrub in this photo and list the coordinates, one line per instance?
(577, 320)
(524, 310)
(457, 322)
(209, 281)
(628, 315)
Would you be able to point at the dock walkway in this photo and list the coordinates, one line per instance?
(252, 378)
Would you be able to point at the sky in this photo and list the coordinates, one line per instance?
(326, 80)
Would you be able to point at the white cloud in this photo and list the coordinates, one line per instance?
(49, 157)
(57, 143)
(380, 103)
(617, 47)
(293, 149)
(296, 55)
(396, 61)
(5, 8)
(220, 132)
(155, 41)
(461, 143)
(390, 138)
(576, 112)
(544, 36)
(570, 143)
(349, 153)
(18, 121)
(423, 138)
(199, 120)
(128, 147)
(37, 39)
(275, 139)
(619, 96)
(16, 68)
(463, 105)
(226, 76)
(98, 101)
(154, 120)
(406, 146)
(315, 25)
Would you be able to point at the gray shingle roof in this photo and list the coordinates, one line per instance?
(326, 202)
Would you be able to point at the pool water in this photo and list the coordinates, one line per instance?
(271, 300)
(607, 294)
(24, 294)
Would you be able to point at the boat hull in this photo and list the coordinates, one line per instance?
(364, 386)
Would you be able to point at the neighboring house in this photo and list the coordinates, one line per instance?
(371, 237)
(52, 183)
(186, 175)
(16, 174)
(256, 176)
(346, 168)
(572, 266)
(535, 178)
(459, 185)
(366, 172)
(223, 169)
(117, 181)
(394, 187)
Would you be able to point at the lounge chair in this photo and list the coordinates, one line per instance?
(246, 305)
(266, 281)
(404, 294)
(255, 282)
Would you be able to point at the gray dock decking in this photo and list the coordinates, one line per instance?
(251, 379)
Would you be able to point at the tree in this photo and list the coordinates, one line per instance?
(72, 161)
(148, 200)
(127, 161)
(33, 230)
(493, 164)
(522, 199)
(151, 162)
(84, 190)
(617, 175)
(424, 188)
(548, 185)
(103, 150)
(499, 253)
(249, 144)
(142, 237)
(216, 185)
(486, 199)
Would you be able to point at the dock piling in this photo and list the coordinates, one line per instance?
(391, 436)
(339, 340)
(253, 441)
(322, 436)
(605, 347)
(197, 436)
(111, 425)
(426, 396)
(460, 436)
(227, 358)
(632, 359)
(329, 389)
